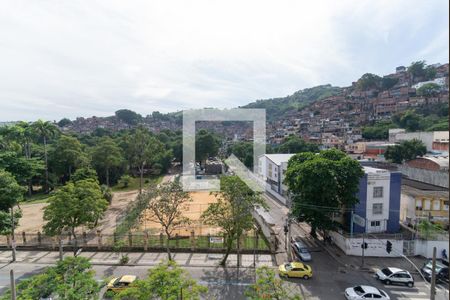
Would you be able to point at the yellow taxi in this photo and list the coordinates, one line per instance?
(118, 284)
(295, 269)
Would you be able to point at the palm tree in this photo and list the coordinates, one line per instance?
(45, 130)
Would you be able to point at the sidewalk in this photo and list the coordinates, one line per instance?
(371, 264)
(141, 258)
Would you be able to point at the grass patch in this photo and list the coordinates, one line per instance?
(184, 242)
(37, 198)
(134, 183)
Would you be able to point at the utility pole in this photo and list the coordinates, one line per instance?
(13, 285)
(60, 248)
(13, 240)
(289, 250)
(433, 276)
(363, 246)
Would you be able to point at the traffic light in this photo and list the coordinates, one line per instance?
(388, 247)
(364, 245)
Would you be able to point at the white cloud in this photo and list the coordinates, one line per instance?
(75, 58)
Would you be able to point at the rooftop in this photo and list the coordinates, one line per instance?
(279, 158)
(371, 170)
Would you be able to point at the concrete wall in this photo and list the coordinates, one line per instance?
(425, 248)
(375, 247)
(426, 137)
(427, 176)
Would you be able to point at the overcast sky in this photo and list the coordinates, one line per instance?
(83, 58)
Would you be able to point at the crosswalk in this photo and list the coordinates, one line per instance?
(419, 292)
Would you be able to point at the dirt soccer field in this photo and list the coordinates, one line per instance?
(194, 210)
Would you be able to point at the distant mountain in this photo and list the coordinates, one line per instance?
(276, 107)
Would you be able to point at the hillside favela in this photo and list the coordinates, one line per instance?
(285, 150)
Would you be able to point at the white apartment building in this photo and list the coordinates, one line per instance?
(271, 168)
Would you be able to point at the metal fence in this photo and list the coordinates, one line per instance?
(136, 241)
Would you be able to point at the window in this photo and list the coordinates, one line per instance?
(436, 204)
(375, 224)
(377, 208)
(378, 192)
(427, 204)
(446, 205)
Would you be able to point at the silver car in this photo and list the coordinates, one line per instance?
(301, 251)
(395, 275)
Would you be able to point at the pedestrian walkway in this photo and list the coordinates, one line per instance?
(142, 258)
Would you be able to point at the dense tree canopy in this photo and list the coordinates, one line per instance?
(71, 279)
(165, 281)
(369, 81)
(10, 194)
(106, 155)
(79, 203)
(406, 150)
(429, 89)
(142, 150)
(244, 152)
(206, 145)
(321, 184)
(269, 286)
(295, 144)
(128, 116)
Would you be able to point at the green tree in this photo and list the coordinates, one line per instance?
(125, 180)
(232, 211)
(64, 122)
(83, 174)
(244, 152)
(322, 184)
(368, 81)
(67, 155)
(167, 204)
(206, 145)
(106, 155)
(20, 167)
(429, 89)
(295, 144)
(410, 121)
(142, 151)
(128, 116)
(71, 279)
(79, 203)
(388, 82)
(45, 130)
(406, 150)
(417, 70)
(428, 229)
(10, 194)
(166, 281)
(430, 73)
(269, 286)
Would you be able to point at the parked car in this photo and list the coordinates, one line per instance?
(301, 251)
(295, 269)
(441, 270)
(120, 283)
(365, 292)
(395, 275)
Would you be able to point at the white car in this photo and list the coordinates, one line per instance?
(395, 275)
(362, 292)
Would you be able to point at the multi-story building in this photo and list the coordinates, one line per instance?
(421, 201)
(379, 201)
(434, 140)
(271, 168)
